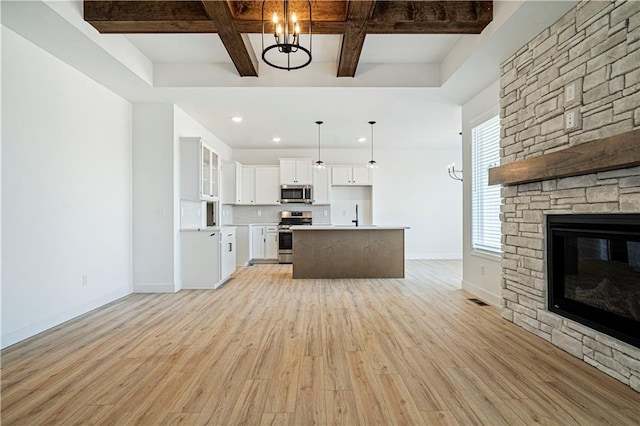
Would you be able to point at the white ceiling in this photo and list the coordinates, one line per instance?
(412, 85)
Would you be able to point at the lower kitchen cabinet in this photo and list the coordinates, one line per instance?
(264, 242)
(200, 259)
(227, 253)
(208, 257)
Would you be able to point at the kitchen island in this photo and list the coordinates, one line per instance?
(348, 251)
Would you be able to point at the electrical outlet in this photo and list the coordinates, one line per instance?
(570, 120)
(259, 212)
(324, 213)
(84, 280)
(482, 270)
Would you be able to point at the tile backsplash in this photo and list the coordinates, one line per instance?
(242, 215)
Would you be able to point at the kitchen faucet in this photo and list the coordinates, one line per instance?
(356, 220)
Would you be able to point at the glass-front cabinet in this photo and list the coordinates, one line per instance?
(209, 188)
(199, 170)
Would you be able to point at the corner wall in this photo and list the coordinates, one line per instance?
(595, 47)
(66, 192)
(480, 271)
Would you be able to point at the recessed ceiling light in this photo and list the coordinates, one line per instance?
(362, 139)
(276, 139)
(236, 119)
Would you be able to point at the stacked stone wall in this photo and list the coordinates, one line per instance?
(596, 48)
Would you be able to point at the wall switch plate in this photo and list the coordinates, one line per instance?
(570, 92)
(84, 280)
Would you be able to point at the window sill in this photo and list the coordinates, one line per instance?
(497, 257)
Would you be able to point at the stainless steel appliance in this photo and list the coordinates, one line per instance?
(296, 194)
(285, 235)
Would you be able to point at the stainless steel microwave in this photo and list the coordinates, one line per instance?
(296, 194)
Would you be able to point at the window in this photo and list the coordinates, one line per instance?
(485, 199)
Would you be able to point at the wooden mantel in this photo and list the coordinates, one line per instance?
(615, 152)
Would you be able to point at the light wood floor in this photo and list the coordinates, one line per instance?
(265, 349)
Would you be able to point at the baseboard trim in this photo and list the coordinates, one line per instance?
(16, 336)
(483, 294)
(154, 288)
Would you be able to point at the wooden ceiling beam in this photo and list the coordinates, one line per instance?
(237, 44)
(142, 11)
(155, 27)
(358, 16)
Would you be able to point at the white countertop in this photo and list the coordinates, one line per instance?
(256, 224)
(206, 229)
(343, 227)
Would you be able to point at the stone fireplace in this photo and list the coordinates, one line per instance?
(593, 272)
(585, 65)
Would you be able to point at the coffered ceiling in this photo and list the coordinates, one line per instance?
(232, 20)
(413, 63)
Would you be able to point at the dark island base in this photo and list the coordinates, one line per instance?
(348, 253)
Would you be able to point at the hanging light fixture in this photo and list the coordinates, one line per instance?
(286, 33)
(372, 164)
(319, 165)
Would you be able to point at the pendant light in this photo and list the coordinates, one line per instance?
(319, 165)
(372, 164)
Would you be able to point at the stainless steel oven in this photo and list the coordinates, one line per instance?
(285, 235)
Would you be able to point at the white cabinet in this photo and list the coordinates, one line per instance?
(347, 175)
(231, 182)
(271, 242)
(227, 253)
(267, 188)
(200, 259)
(321, 187)
(257, 242)
(264, 242)
(248, 185)
(199, 170)
(295, 171)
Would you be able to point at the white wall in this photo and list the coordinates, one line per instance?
(66, 192)
(411, 188)
(154, 198)
(481, 272)
(186, 126)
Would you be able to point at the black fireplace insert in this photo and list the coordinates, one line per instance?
(593, 265)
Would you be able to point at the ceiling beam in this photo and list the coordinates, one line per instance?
(237, 44)
(358, 15)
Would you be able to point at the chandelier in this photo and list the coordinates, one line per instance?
(287, 53)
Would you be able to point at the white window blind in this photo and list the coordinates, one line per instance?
(485, 203)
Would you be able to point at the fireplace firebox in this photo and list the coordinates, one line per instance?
(593, 266)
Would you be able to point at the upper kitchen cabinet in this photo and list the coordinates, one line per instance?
(351, 175)
(321, 187)
(252, 185)
(267, 189)
(248, 185)
(231, 182)
(295, 171)
(199, 170)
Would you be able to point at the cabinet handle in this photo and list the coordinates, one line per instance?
(213, 235)
(230, 247)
